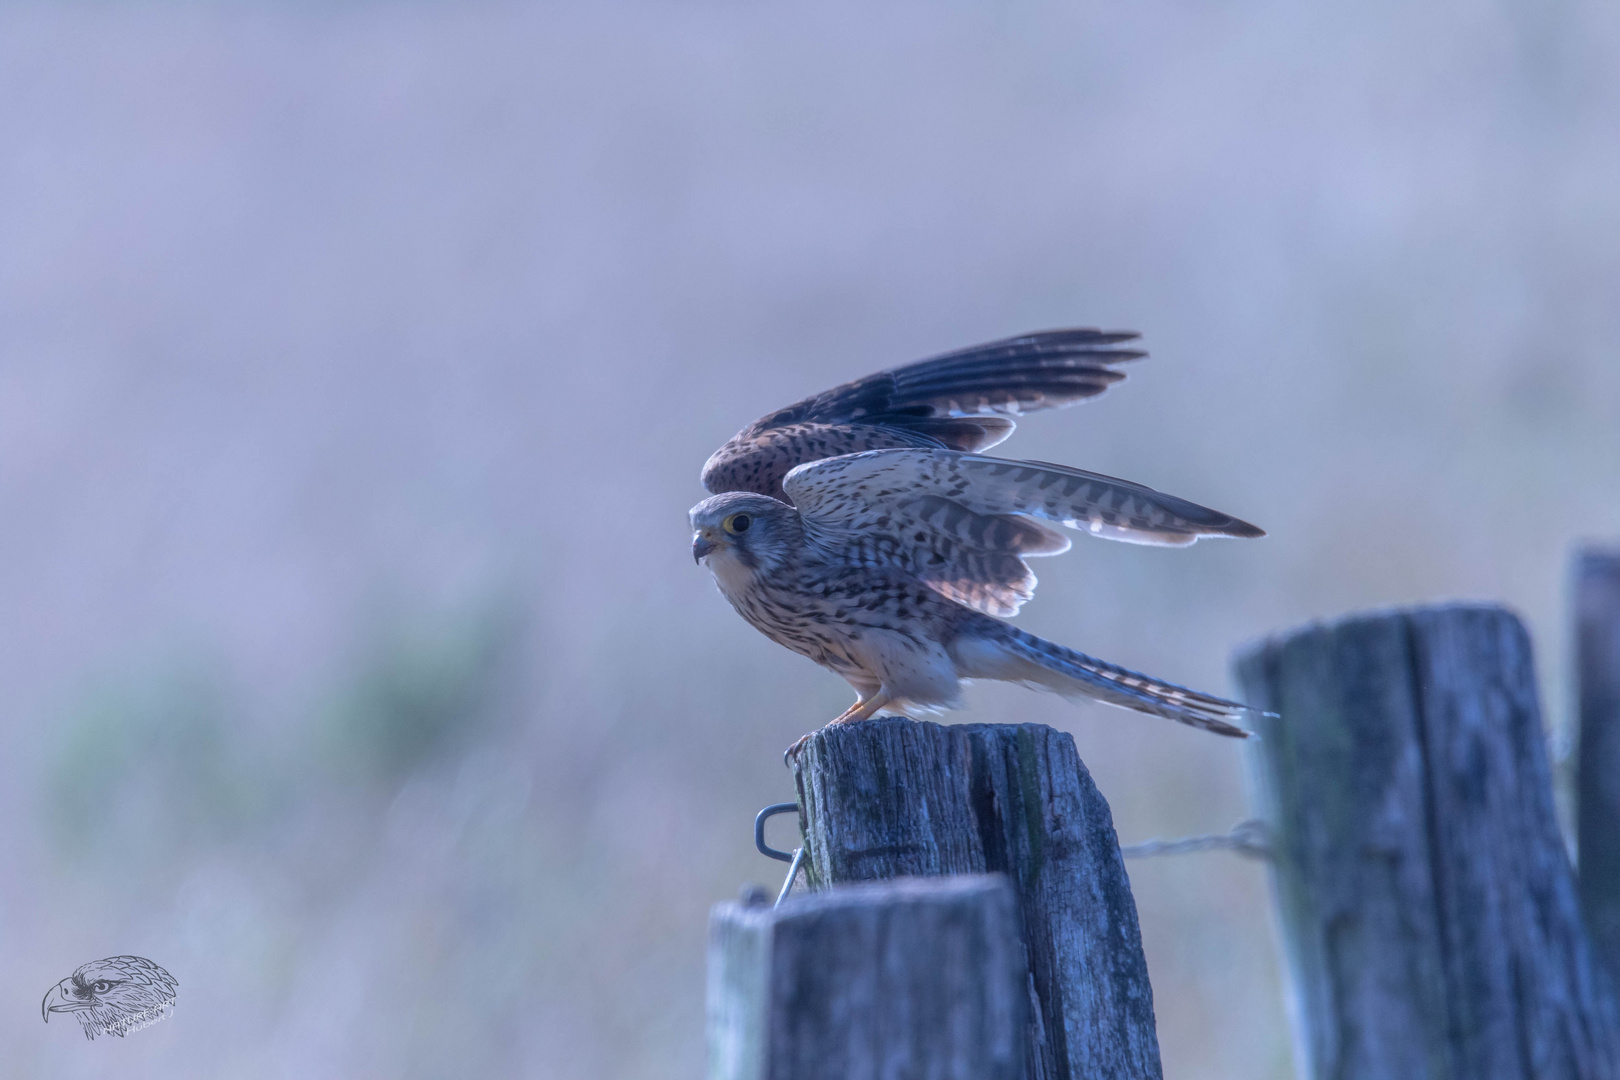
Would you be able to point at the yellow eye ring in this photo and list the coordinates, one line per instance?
(737, 523)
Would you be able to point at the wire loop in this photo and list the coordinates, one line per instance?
(759, 830)
(795, 860)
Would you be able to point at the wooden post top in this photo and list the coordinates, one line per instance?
(892, 797)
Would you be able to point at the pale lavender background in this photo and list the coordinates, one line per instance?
(357, 362)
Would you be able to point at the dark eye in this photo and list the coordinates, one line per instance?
(101, 986)
(738, 523)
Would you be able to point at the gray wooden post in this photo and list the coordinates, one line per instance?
(1597, 784)
(1429, 911)
(891, 797)
(916, 979)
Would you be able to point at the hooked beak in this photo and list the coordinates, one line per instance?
(701, 546)
(60, 998)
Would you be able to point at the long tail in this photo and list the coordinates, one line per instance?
(990, 649)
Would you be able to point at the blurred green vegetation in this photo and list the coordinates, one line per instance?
(422, 689)
(156, 762)
(146, 762)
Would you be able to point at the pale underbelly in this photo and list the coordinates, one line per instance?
(903, 663)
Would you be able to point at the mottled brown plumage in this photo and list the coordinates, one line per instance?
(862, 529)
(958, 401)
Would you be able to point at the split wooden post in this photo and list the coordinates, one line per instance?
(890, 798)
(1429, 910)
(915, 979)
(1597, 785)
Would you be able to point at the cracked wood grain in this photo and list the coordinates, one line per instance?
(1429, 912)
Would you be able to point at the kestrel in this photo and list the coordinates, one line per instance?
(863, 528)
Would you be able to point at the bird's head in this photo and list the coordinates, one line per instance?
(742, 530)
(105, 991)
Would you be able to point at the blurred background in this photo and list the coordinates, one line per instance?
(357, 361)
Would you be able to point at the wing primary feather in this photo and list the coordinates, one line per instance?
(911, 405)
(834, 489)
(1021, 374)
(1046, 341)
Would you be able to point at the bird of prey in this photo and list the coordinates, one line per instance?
(113, 996)
(864, 528)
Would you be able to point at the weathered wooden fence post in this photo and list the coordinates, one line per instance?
(1597, 785)
(916, 979)
(893, 798)
(1429, 911)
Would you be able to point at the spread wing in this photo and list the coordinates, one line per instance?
(959, 401)
(964, 523)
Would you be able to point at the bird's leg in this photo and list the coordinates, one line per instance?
(861, 710)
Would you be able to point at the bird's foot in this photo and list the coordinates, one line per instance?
(861, 710)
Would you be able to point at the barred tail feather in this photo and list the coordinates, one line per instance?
(994, 650)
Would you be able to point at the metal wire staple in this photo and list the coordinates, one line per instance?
(795, 859)
(1251, 838)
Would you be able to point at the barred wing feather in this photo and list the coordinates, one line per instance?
(963, 400)
(965, 523)
(844, 489)
(1013, 376)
